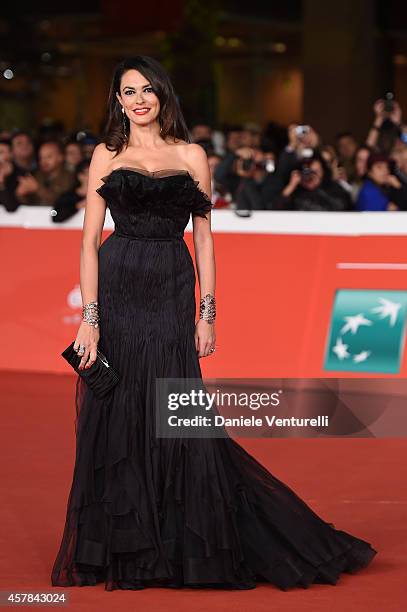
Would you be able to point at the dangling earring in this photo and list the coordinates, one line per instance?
(124, 123)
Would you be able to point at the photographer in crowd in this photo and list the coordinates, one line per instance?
(248, 174)
(237, 137)
(258, 187)
(311, 187)
(302, 141)
(387, 126)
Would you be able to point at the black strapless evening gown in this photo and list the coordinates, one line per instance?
(147, 511)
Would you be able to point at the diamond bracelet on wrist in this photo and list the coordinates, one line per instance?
(207, 308)
(90, 314)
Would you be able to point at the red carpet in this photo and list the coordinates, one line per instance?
(358, 484)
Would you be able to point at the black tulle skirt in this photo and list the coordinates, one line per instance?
(148, 511)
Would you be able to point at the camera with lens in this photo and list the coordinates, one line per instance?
(389, 102)
(248, 164)
(302, 130)
(268, 165)
(307, 173)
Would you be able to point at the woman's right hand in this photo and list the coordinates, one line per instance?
(378, 109)
(87, 336)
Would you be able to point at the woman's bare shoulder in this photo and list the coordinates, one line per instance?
(102, 159)
(195, 159)
(195, 155)
(101, 152)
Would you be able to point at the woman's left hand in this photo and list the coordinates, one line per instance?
(205, 338)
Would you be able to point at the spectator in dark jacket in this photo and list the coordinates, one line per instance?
(248, 174)
(225, 174)
(44, 186)
(311, 188)
(302, 141)
(23, 151)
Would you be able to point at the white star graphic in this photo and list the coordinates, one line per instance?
(387, 309)
(352, 323)
(362, 356)
(340, 349)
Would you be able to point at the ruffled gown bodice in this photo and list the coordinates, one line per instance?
(153, 204)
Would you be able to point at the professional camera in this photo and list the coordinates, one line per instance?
(248, 164)
(302, 130)
(389, 102)
(307, 173)
(265, 164)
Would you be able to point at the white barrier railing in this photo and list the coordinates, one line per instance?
(261, 222)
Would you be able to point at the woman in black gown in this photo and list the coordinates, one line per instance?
(143, 510)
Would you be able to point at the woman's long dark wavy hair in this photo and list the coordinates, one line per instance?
(171, 119)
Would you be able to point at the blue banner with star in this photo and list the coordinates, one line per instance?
(367, 331)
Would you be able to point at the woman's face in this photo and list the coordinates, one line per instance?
(140, 103)
(380, 172)
(361, 162)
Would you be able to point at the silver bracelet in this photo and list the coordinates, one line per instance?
(207, 308)
(90, 313)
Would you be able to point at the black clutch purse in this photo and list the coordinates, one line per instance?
(100, 377)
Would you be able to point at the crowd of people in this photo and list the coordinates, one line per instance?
(251, 168)
(52, 173)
